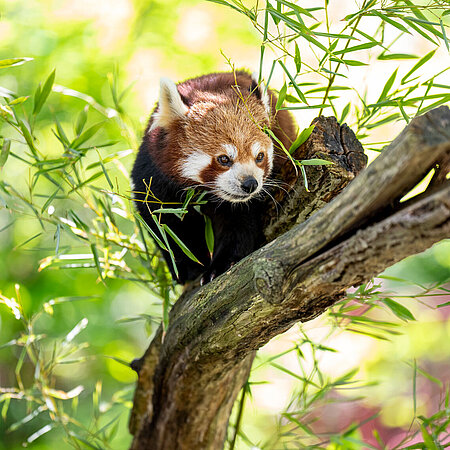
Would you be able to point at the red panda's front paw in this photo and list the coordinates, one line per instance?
(214, 271)
(207, 277)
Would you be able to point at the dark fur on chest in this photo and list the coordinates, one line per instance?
(237, 226)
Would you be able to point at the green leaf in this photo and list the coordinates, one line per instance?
(296, 8)
(81, 120)
(281, 97)
(5, 151)
(41, 97)
(301, 138)
(420, 63)
(428, 440)
(297, 89)
(276, 19)
(223, 2)
(356, 48)
(297, 59)
(4, 63)
(180, 244)
(49, 200)
(166, 309)
(27, 136)
(105, 172)
(305, 178)
(388, 85)
(443, 34)
(350, 62)
(390, 56)
(170, 211)
(420, 31)
(60, 133)
(150, 231)
(315, 162)
(390, 21)
(209, 234)
(86, 135)
(435, 104)
(96, 260)
(405, 116)
(320, 106)
(18, 101)
(345, 112)
(399, 310)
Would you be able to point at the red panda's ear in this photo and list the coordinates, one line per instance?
(259, 89)
(171, 105)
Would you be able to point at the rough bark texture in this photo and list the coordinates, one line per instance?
(188, 383)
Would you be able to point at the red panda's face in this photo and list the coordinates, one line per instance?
(217, 142)
(225, 149)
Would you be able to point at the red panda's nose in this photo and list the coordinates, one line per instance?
(249, 185)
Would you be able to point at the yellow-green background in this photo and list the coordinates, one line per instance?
(143, 40)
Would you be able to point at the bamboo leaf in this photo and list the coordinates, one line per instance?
(356, 48)
(281, 97)
(6, 145)
(18, 101)
(390, 21)
(180, 244)
(81, 120)
(301, 138)
(388, 85)
(86, 135)
(444, 34)
(390, 56)
(297, 89)
(4, 63)
(96, 260)
(27, 136)
(316, 162)
(209, 234)
(150, 231)
(42, 95)
(297, 59)
(296, 8)
(420, 63)
(428, 440)
(399, 310)
(345, 112)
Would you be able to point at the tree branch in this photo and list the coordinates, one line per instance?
(188, 383)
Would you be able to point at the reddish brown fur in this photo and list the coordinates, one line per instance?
(220, 113)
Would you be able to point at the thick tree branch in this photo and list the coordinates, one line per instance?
(188, 383)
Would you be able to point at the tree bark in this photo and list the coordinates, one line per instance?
(189, 381)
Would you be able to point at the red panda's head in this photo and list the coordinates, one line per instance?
(215, 137)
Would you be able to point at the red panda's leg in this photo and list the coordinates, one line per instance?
(237, 233)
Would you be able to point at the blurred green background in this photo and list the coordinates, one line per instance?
(138, 42)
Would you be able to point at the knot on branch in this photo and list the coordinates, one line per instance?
(330, 141)
(268, 276)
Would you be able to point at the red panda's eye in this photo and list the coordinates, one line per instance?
(224, 160)
(260, 157)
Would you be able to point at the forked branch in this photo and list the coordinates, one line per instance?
(188, 383)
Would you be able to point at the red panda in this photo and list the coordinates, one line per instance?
(209, 133)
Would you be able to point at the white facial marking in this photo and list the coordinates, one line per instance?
(270, 156)
(194, 164)
(229, 183)
(264, 94)
(170, 104)
(256, 149)
(231, 151)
